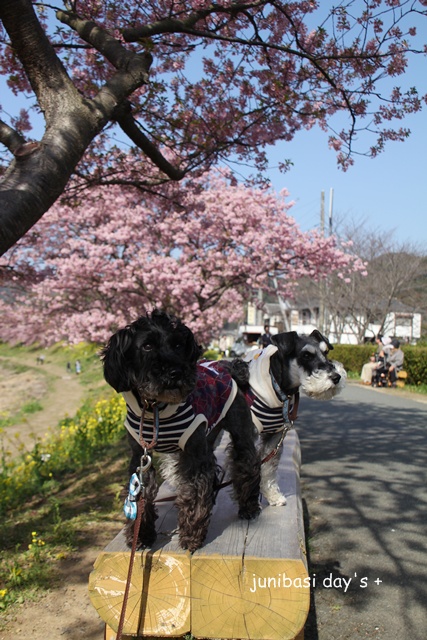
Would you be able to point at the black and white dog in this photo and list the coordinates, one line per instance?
(180, 407)
(274, 378)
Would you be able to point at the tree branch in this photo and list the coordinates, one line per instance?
(99, 39)
(173, 25)
(131, 129)
(45, 72)
(11, 139)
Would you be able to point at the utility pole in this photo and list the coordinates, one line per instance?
(321, 283)
(331, 206)
(322, 213)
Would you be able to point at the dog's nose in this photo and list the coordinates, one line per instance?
(335, 377)
(175, 373)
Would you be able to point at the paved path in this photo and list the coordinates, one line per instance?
(364, 475)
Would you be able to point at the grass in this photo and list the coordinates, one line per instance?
(49, 509)
(37, 535)
(420, 389)
(8, 419)
(59, 354)
(32, 407)
(91, 377)
(54, 499)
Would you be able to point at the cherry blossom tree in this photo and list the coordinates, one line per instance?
(190, 84)
(199, 249)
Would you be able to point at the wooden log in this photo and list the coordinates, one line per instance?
(401, 378)
(249, 580)
(159, 597)
(110, 634)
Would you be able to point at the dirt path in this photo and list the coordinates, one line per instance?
(58, 392)
(65, 612)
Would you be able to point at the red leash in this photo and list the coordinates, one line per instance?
(145, 465)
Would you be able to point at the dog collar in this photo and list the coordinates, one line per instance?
(282, 397)
(289, 412)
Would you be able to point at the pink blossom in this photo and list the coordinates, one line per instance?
(200, 249)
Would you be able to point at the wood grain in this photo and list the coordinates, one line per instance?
(249, 580)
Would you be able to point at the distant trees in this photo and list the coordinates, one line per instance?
(393, 272)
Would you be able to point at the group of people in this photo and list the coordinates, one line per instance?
(385, 364)
(78, 367)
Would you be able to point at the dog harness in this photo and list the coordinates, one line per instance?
(209, 403)
(265, 405)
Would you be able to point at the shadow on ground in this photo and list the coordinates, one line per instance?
(364, 461)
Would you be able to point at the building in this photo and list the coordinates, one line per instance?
(401, 322)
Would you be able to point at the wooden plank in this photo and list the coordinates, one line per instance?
(247, 581)
(159, 598)
(110, 634)
(250, 580)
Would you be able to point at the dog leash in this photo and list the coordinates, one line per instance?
(290, 414)
(135, 502)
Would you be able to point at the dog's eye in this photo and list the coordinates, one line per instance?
(177, 345)
(147, 347)
(307, 355)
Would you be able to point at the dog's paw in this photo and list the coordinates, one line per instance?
(277, 501)
(249, 512)
(190, 544)
(274, 496)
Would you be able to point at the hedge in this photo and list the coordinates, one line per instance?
(353, 357)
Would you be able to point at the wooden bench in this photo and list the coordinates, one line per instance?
(249, 580)
(401, 378)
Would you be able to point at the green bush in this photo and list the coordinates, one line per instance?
(416, 364)
(353, 357)
(212, 354)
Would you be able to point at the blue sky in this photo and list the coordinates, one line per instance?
(388, 193)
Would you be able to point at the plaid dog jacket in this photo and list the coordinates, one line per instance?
(209, 403)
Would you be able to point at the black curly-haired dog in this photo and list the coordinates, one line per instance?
(153, 362)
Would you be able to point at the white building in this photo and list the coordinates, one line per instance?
(400, 322)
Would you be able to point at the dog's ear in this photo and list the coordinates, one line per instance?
(321, 338)
(286, 342)
(114, 358)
